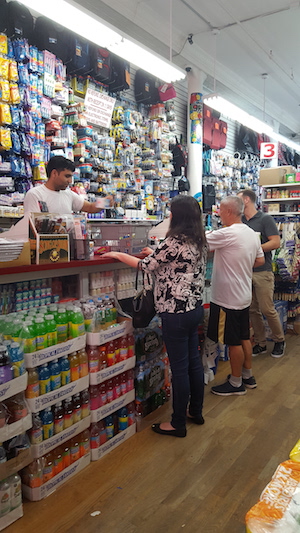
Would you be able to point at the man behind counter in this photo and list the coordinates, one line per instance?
(54, 196)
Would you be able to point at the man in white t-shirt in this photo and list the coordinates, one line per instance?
(55, 196)
(237, 250)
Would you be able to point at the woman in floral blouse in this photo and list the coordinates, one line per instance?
(178, 267)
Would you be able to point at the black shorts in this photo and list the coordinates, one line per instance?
(228, 326)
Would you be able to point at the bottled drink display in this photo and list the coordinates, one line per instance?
(53, 463)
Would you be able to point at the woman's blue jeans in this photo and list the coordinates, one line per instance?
(180, 333)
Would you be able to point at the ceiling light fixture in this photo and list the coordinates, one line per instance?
(233, 112)
(99, 32)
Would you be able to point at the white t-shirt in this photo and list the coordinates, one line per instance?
(41, 198)
(236, 249)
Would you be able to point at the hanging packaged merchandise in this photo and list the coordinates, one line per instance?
(209, 197)
(78, 54)
(207, 125)
(20, 21)
(215, 139)
(166, 92)
(48, 35)
(120, 74)
(144, 88)
(223, 134)
(100, 63)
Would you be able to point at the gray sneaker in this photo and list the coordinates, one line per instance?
(250, 383)
(258, 350)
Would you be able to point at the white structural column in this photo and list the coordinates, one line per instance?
(195, 79)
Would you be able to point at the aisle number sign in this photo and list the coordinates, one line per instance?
(98, 108)
(269, 150)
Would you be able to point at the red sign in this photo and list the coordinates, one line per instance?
(269, 150)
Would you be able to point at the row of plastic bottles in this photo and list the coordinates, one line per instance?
(10, 494)
(110, 426)
(99, 313)
(111, 353)
(53, 463)
(13, 409)
(62, 415)
(59, 372)
(11, 361)
(40, 328)
(111, 389)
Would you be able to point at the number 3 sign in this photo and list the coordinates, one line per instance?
(269, 150)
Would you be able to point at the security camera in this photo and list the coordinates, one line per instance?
(190, 38)
(188, 69)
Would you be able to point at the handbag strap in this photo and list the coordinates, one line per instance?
(138, 270)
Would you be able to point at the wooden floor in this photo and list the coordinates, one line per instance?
(204, 483)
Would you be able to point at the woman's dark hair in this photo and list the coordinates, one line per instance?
(186, 222)
(58, 162)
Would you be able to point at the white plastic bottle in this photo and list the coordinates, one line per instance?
(15, 491)
(4, 497)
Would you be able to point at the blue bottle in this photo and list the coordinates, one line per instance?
(123, 419)
(48, 423)
(109, 426)
(55, 375)
(44, 378)
(65, 371)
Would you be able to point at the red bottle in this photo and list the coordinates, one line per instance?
(102, 431)
(110, 353)
(131, 345)
(117, 350)
(123, 383)
(93, 356)
(102, 394)
(95, 436)
(123, 348)
(94, 397)
(130, 380)
(102, 357)
(109, 390)
(117, 387)
(131, 413)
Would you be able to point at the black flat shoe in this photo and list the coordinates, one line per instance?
(173, 432)
(196, 419)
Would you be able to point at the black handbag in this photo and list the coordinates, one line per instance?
(143, 303)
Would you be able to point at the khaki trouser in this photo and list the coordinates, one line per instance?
(262, 303)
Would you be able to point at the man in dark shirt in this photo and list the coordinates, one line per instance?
(263, 278)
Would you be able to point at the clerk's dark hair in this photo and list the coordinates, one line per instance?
(58, 162)
(248, 193)
(186, 223)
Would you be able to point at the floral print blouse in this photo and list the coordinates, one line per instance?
(179, 275)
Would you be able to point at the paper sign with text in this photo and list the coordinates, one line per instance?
(98, 108)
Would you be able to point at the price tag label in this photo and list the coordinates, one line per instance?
(269, 150)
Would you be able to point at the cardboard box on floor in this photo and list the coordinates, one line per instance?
(274, 176)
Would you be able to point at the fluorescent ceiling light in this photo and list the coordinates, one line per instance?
(92, 28)
(235, 113)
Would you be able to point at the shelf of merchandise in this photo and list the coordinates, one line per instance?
(14, 386)
(49, 444)
(281, 185)
(112, 333)
(115, 405)
(54, 352)
(113, 443)
(282, 199)
(50, 398)
(284, 213)
(16, 428)
(112, 371)
(39, 493)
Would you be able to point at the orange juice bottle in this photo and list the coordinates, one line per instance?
(74, 366)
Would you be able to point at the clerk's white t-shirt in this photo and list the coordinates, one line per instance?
(41, 198)
(236, 249)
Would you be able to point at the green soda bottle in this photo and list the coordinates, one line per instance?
(51, 330)
(62, 325)
(70, 313)
(40, 333)
(77, 326)
(15, 329)
(53, 311)
(27, 337)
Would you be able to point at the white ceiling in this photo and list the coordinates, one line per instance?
(254, 37)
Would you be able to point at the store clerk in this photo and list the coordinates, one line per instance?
(54, 196)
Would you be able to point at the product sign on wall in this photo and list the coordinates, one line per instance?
(98, 108)
(269, 150)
